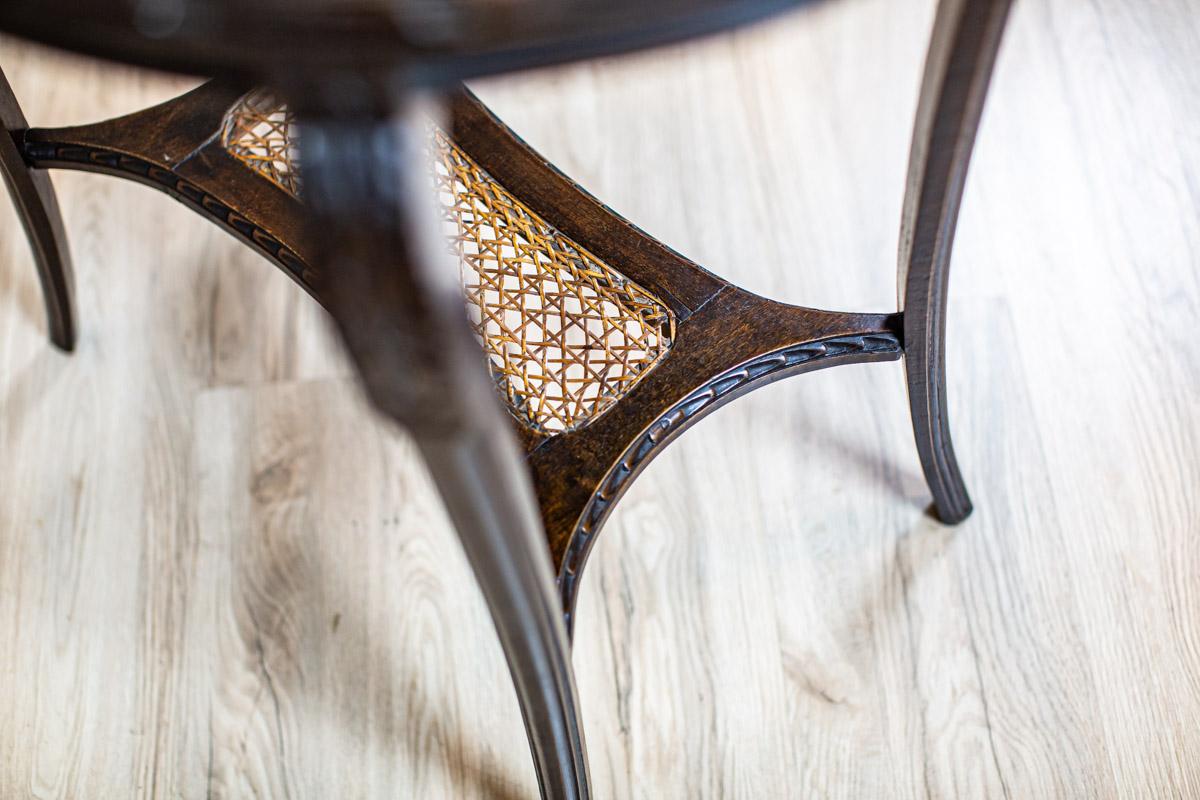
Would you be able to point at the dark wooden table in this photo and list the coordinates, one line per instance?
(364, 79)
(358, 73)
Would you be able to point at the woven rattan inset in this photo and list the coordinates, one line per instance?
(258, 131)
(566, 335)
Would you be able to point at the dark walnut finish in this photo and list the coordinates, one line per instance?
(362, 239)
(727, 341)
(37, 206)
(720, 329)
(412, 346)
(958, 70)
(403, 42)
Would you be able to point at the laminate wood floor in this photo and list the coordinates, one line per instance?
(219, 577)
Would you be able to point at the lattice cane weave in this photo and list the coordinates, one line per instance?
(258, 131)
(566, 336)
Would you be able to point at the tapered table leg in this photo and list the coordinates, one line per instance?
(37, 205)
(488, 497)
(958, 68)
(394, 293)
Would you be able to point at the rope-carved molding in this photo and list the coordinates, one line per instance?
(49, 154)
(566, 335)
(707, 398)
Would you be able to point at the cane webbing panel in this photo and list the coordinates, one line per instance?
(258, 131)
(566, 335)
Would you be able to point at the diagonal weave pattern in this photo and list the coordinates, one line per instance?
(258, 132)
(566, 335)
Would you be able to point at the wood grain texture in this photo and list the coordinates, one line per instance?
(219, 578)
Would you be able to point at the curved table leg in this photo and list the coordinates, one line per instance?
(486, 491)
(395, 297)
(958, 68)
(36, 204)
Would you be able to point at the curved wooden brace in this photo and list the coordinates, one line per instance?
(878, 341)
(37, 205)
(958, 68)
(728, 341)
(174, 147)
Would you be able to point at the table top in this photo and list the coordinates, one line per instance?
(423, 41)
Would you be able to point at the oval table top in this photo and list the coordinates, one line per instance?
(423, 42)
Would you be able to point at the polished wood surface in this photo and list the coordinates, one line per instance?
(963, 47)
(400, 41)
(37, 205)
(185, 615)
(393, 296)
